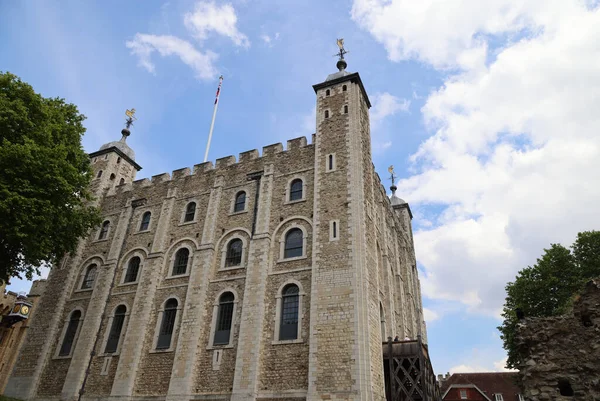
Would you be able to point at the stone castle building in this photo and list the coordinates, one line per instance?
(275, 276)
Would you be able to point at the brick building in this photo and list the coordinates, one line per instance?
(489, 386)
(270, 277)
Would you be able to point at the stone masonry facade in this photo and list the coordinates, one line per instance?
(563, 353)
(213, 329)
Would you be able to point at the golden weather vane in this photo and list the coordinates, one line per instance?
(340, 43)
(130, 117)
(392, 175)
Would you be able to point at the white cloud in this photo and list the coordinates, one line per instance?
(462, 368)
(500, 366)
(209, 17)
(144, 45)
(511, 160)
(430, 315)
(268, 39)
(385, 105)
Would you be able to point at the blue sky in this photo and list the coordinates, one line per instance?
(488, 111)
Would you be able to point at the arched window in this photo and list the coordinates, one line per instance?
(90, 277)
(344, 88)
(167, 325)
(224, 319)
(104, 230)
(327, 92)
(326, 113)
(234, 253)
(132, 270)
(115, 330)
(112, 176)
(70, 333)
(240, 202)
(122, 181)
(290, 303)
(145, 221)
(118, 160)
(296, 189)
(190, 212)
(345, 109)
(181, 261)
(293, 244)
(99, 174)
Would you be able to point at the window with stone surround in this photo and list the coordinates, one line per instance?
(104, 230)
(344, 88)
(240, 202)
(70, 333)
(224, 319)
(294, 244)
(327, 92)
(167, 325)
(90, 277)
(116, 327)
(290, 303)
(99, 174)
(234, 253)
(330, 164)
(346, 109)
(181, 261)
(334, 230)
(296, 189)
(145, 224)
(133, 268)
(326, 114)
(190, 212)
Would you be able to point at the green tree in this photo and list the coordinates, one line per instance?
(44, 179)
(547, 288)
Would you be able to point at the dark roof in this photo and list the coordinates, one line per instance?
(489, 383)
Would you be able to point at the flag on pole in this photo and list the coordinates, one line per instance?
(219, 89)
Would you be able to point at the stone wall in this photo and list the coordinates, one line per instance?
(563, 353)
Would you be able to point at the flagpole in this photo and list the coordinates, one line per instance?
(212, 123)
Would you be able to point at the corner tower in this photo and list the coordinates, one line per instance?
(345, 341)
(114, 164)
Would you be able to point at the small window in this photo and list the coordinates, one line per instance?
(234, 253)
(70, 333)
(499, 397)
(133, 269)
(90, 277)
(240, 202)
(104, 230)
(293, 244)
(345, 109)
(167, 325)
(190, 212)
(296, 190)
(99, 174)
(330, 162)
(224, 319)
(118, 160)
(327, 92)
(112, 177)
(326, 113)
(564, 387)
(115, 330)
(334, 230)
(122, 181)
(344, 88)
(463, 394)
(145, 221)
(181, 261)
(290, 303)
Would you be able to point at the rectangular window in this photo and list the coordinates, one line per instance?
(499, 397)
(224, 324)
(334, 230)
(463, 394)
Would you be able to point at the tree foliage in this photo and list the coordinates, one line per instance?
(44, 179)
(547, 288)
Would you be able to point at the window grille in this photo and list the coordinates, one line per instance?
(190, 212)
(145, 221)
(70, 334)
(234, 253)
(293, 244)
(181, 261)
(240, 202)
(224, 319)
(167, 325)
(132, 270)
(104, 230)
(296, 189)
(290, 303)
(90, 277)
(115, 330)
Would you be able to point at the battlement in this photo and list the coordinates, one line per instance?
(249, 157)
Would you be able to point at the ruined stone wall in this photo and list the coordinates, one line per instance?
(563, 353)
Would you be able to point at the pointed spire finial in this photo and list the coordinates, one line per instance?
(341, 64)
(128, 123)
(393, 178)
